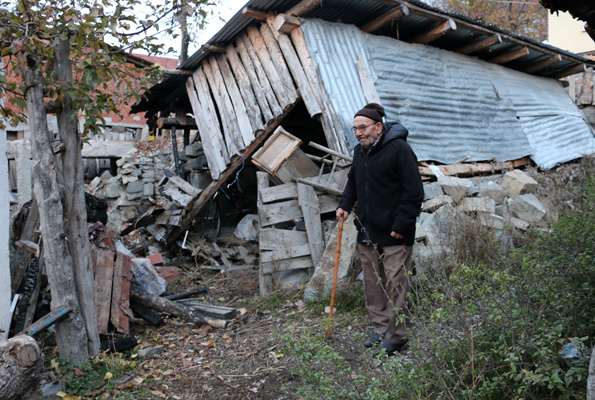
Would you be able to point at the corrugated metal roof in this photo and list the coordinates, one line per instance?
(357, 12)
(454, 106)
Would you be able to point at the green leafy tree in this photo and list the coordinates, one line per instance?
(59, 49)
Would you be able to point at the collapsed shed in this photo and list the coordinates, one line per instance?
(464, 89)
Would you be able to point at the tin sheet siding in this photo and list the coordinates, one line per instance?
(454, 106)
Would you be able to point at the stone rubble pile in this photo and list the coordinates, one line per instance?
(499, 202)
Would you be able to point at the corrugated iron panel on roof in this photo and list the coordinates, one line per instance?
(454, 106)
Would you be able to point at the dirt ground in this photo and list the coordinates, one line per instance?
(245, 361)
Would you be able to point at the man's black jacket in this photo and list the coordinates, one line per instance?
(386, 184)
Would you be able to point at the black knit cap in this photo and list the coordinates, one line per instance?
(374, 111)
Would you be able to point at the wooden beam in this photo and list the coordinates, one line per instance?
(176, 72)
(440, 30)
(543, 64)
(215, 49)
(576, 69)
(210, 190)
(303, 7)
(417, 10)
(481, 44)
(286, 23)
(387, 18)
(252, 13)
(509, 56)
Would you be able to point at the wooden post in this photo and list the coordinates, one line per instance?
(304, 7)
(5, 290)
(549, 61)
(481, 44)
(75, 208)
(311, 209)
(398, 12)
(70, 332)
(266, 281)
(368, 87)
(509, 56)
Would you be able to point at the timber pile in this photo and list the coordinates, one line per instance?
(303, 193)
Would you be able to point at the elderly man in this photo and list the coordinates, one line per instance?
(385, 183)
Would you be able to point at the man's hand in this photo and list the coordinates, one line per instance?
(341, 214)
(395, 234)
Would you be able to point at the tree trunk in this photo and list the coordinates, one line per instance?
(21, 363)
(75, 211)
(71, 335)
(591, 378)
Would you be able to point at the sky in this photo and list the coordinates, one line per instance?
(222, 13)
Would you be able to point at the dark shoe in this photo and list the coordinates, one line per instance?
(373, 340)
(388, 348)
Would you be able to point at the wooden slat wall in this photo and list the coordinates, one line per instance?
(235, 94)
(580, 88)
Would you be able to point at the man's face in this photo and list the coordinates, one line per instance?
(367, 131)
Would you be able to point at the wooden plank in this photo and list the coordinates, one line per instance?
(265, 281)
(181, 199)
(385, 19)
(184, 186)
(297, 71)
(303, 7)
(509, 56)
(120, 309)
(549, 61)
(280, 192)
(278, 61)
(258, 78)
(272, 239)
(210, 310)
(315, 185)
(246, 128)
(285, 253)
(275, 213)
(252, 13)
(104, 273)
(365, 78)
(264, 56)
(311, 209)
(273, 267)
(22, 258)
(48, 320)
(433, 34)
(276, 150)
(285, 23)
(480, 44)
(231, 128)
(211, 136)
(210, 190)
(330, 122)
(250, 99)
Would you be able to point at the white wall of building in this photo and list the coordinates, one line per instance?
(569, 33)
(4, 226)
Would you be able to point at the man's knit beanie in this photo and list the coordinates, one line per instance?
(374, 111)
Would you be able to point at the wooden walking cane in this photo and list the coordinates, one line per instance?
(330, 314)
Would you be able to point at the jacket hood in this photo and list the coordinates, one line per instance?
(394, 130)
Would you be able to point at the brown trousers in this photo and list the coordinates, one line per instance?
(386, 282)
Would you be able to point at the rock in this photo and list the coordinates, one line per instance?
(473, 191)
(436, 203)
(135, 187)
(195, 164)
(477, 205)
(113, 190)
(170, 274)
(194, 150)
(52, 388)
(493, 221)
(432, 190)
(321, 284)
(126, 179)
(420, 232)
(455, 187)
(148, 189)
(134, 196)
(427, 257)
(106, 176)
(492, 190)
(516, 183)
(151, 351)
(293, 280)
(150, 173)
(95, 183)
(439, 225)
(519, 224)
(502, 210)
(528, 208)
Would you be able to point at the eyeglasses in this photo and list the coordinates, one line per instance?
(355, 129)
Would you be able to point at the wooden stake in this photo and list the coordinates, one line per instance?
(337, 259)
